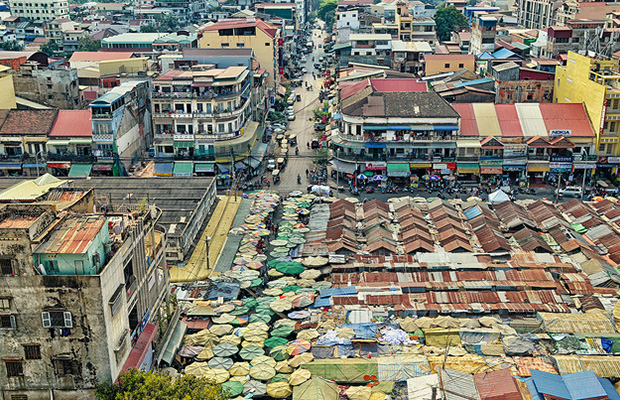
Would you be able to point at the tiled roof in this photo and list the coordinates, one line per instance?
(72, 123)
(28, 122)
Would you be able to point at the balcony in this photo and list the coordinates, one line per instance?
(580, 157)
(468, 158)
(66, 156)
(101, 115)
(538, 157)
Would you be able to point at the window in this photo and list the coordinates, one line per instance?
(14, 368)
(267, 44)
(32, 351)
(116, 301)
(57, 319)
(6, 267)
(612, 126)
(65, 367)
(240, 44)
(5, 303)
(7, 322)
(601, 148)
(446, 65)
(461, 65)
(225, 45)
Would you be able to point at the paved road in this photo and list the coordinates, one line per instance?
(303, 127)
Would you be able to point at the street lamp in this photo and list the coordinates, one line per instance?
(207, 240)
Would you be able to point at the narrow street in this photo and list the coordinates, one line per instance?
(303, 126)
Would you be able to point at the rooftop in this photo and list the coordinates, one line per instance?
(100, 56)
(74, 235)
(242, 23)
(72, 123)
(28, 122)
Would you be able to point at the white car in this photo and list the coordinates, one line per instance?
(303, 59)
(291, 117)
(304, 70)
(271, 165)
(571, 191)
(290, 109)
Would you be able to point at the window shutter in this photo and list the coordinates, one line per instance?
(68, 320)
(47, 321)
(13, 323)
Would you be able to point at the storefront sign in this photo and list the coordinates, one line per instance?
(514, 150)
(565, 159)
(608, 160)
(513, 168)
(560, 132)
(444, 172)
(420, 165)
(490, 171)
(439, 166)
(376, 166)
(560, 167)
(59, 165)
(584, 166)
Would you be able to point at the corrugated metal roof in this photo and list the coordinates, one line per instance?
(497, 385)
(457, 385)
(487, 117)
(531, 119)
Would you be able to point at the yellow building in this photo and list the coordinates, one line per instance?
(7, 100)
(596, 83)
(251, 33)
(442, 63)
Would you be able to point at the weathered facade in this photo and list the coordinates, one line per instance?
(57, 88)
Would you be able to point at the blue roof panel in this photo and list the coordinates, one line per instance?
(550, 384)
(609, 389)
(341, 291)
(474, 82)
(472, 212)
(583, 385)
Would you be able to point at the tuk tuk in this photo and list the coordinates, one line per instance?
(275, 174)
(292, 140)
(279, 138)
(280, 161)
(284, 142)
(298, 97)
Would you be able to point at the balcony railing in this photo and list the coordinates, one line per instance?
(539, 157)
(71, 157)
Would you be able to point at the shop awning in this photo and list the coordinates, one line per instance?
(538, 166)
(53, 142)
(398, 170)
(253, 163)
(374, 127)
(446, 127)
(223, 168)
(81, 141)
(468, 143)
(10, 166)
(80, 170)
(259, 151)
(468, 168)
(175, 342)
(343, 167)
(142, 349)
(375, 145)
(420, 165)
(204, 167)
(59, 165)
(185, 168)
(182, 144)
(33, 165)
(163, 169)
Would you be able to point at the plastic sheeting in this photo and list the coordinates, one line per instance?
(400, 368)
(363, 331)
(343, 370)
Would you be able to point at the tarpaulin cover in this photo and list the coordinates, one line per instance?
(399, 368)
(320, 352)
(343, 370)
(363, 331)
(516, 345)
(316, 388)
(442, 337)
(479, 336)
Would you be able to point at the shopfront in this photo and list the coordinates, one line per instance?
(608, 165)
(103, 169)
(537, 170)
(59, 168)
(398, 173)
(11, 169)
(468, 171)
(444, 169)
(491, 167)
(560, 164)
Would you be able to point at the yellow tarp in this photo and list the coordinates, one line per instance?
(442, 337)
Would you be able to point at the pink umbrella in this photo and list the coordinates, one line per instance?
(297, 347)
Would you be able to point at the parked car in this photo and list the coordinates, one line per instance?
(291, 117)
(291, 100)
(571, 191)
(271, 165)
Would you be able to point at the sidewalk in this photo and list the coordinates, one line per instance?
(217, 228)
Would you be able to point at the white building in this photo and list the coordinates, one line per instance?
(348, 19)
(36, 10)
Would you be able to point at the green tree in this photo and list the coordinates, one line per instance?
(148, 29)
(447, 19)
(321, 157)
(50, 48)
(136, 385)
(168, 23)
(327, 11)
(12, 45)
(88, 44)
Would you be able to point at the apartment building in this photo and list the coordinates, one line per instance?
(483, 33)
(39, 10)
(535, 14)
(81, 294)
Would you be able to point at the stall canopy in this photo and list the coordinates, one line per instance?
(499, 196)
(204, 167)
(80, 170)
(175, 342)
(398, 170)
(163, 169)
(141, 351)
(183, 168)
(343, 167)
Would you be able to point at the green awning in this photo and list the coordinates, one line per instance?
(391, 167)
(52, 142)
(81, 141)
(579, 228)
(204, 167)
(80, 170)
(182, 144)
(183, 168)
(175, 342)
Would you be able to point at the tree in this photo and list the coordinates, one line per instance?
(50, 48)
(148, 29)
(168, 23)
(326, 12)
(12, 45)
(447, 19)
(88, 44)
(137, 385)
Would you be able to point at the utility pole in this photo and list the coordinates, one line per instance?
(557, 190)
(207, 240)
(233, 172)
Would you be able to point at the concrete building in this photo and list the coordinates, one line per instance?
(441, 63)
(535, 14)
(370, 48)
(515, 84)
(39, 10)
(596, 84)
(140, 43)
(122, 128)
(409, 56)
(483, 33)
(83, 294)
(348, 19)
(248, 33)
(54, 87)
(7, 100)
(393, 126)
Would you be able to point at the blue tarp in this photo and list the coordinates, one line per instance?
(163, 169)
(472, 212)
(446, 127)
(376, 145)
(363, 331)
(228, 290)
(577, 386)
(341, 291)
(321, 302)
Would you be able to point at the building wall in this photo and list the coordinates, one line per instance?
(131, 66)
(39, 9)
(7, 99)
(524, 91)
(438, 65)
(56, 88)
(265, 48)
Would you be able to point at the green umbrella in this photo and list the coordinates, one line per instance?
(282, 331)
(250, 302)
(273, 263)
(291, 268)
(225, 349)
(232, 388)
(255, 387)
(279, 353)
(240, 311)
(265, 310)
(292, 288)
(275, 341)
(220, 362)
(322, 285)
(280, 378)
(265, 300)
(306, 290)
(250, 352)
(266, 318)
(256, 282)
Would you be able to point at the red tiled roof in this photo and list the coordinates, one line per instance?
(99, 56)
(347, 89)
(72, 123)
(242, 23)
(28, 122)
(398, 85)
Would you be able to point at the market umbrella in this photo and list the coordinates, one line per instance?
(223, 319)
(220, 362)
(250, 302)
(273, 292)
(255, 335)
(197, 368)
(408, 325)
(447, 322)
(300, 359)
(435, 178)
(281, 305)
(474, 198)
(258, 326)
(310, 274)
(316, 389)
(290, 268)
(232, 338)
(202, 338)
(305, 283)
(217, 375)
(284, 367)
(251, 352)
(308, 334)
(378, 178)
(225, 349)
(254, 387)
(263, 360)
(358, 393)
(282, 331)
(280, 378)
(190, 351)
(291, 289)
(284, 321)
(279, 353)
(262, 372)
(300, 376)
(322, 285)
(241, 320)
(256, 342)
(470, 323)
(345, 333)
(275, 341)
(279, 390)
(232, 388)
(425, 323)
(240, 311)
(299, 314)
(239, 368)
(274, 273)
(224, 308)
(362, 176)
(302, 300)
(243, 379)
(260, 318)
(221, 330)
(488, 321)
(205, 354)
(298, 346)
